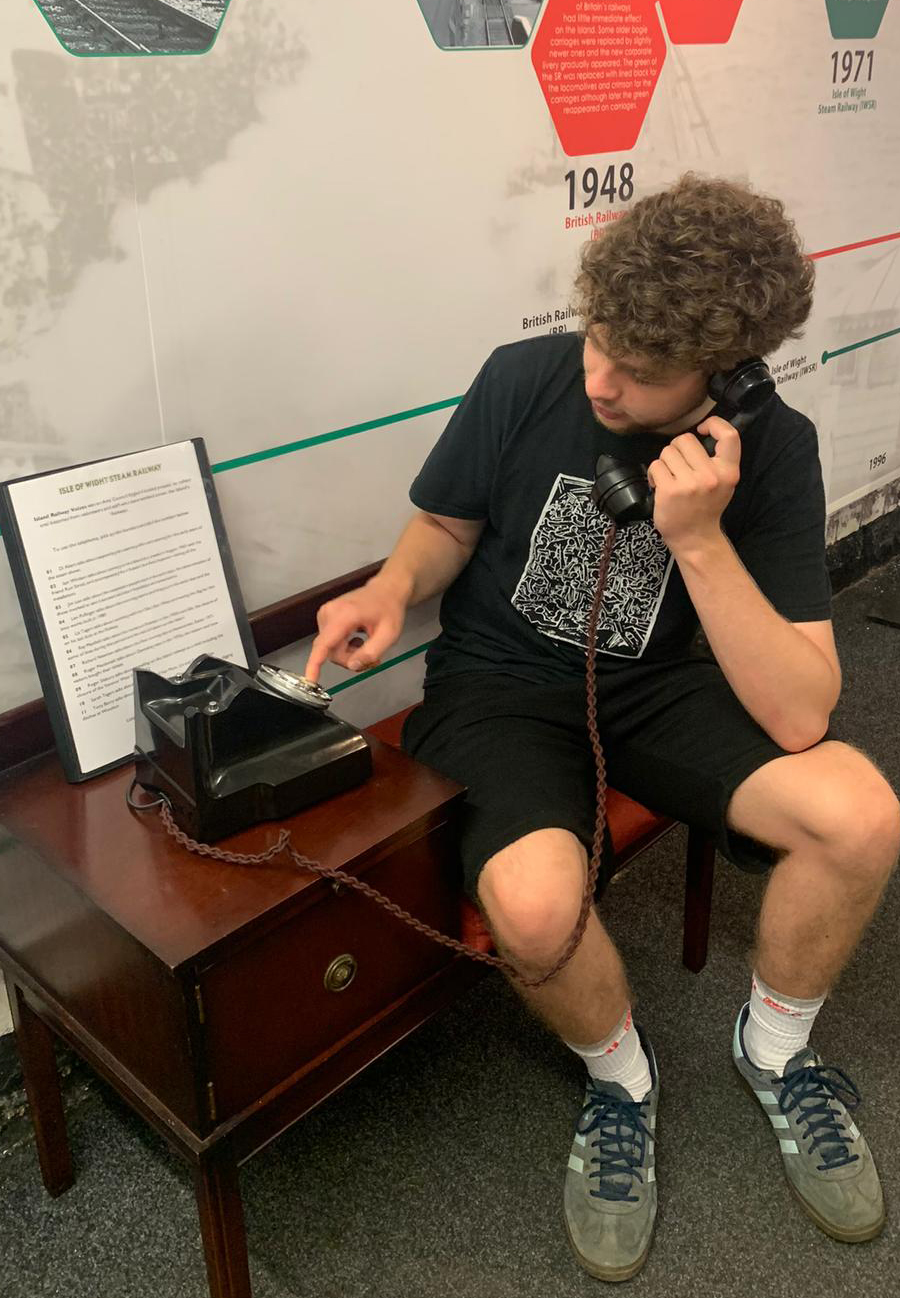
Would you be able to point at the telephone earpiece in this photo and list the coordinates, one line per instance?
(621, 488)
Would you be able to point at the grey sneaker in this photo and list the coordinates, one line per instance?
(610, 1195)
(827, 1162)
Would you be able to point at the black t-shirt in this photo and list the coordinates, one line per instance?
(520, 452)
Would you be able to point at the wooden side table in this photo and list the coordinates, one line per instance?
(221, 1001)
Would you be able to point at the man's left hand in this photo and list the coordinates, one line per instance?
(693, 488)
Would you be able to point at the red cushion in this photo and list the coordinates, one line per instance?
(472, 928)
(388, 730)
(628, 821)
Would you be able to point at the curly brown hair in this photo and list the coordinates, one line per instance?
(701, 276)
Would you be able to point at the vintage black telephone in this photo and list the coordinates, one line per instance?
(621, 489)
(227, 747)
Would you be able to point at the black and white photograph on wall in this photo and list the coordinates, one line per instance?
(103, 27)
(481, 24)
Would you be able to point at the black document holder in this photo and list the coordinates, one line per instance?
(36, 626)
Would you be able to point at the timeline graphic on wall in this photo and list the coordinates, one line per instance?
(599, 61)
(599, 64)
(189, 238)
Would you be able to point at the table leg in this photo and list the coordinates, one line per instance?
(35, 1045)
(701, 860)
(222, 1223)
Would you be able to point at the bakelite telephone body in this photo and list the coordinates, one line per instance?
(228, 747)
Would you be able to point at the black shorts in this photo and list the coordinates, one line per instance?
(674, 736)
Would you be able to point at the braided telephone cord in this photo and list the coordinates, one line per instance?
(283, 844)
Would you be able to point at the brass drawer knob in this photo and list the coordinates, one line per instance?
(340, 973)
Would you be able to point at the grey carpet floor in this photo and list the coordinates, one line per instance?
(438, 1172)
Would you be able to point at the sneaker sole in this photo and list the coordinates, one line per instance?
(859, 1236)
(613, 1274)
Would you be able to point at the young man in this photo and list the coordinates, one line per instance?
(688, 283)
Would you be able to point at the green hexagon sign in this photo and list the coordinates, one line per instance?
(123, 27)
(855, 19)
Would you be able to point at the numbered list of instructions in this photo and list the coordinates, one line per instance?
(127, 571)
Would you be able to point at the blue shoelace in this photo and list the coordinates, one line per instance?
(621, 1133)
(810, 1091)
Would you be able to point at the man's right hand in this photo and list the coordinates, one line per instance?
(429, 556)
(374, 609)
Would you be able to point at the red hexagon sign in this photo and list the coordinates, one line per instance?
(700, 22)
(598, 62)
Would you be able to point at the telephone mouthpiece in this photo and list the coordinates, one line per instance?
(620, 490)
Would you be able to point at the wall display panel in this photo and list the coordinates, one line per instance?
(303, 253)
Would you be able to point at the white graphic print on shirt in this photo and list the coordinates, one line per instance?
(556, 589)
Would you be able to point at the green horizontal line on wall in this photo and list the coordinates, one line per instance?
(382, 667)
(866, 342)
(289, 447)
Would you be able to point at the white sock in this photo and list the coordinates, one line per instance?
(620, 1058)
(777, 1026)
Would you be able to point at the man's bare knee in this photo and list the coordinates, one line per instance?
(531, 893)
(831, 798)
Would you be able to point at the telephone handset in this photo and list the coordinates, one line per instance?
(621, 489)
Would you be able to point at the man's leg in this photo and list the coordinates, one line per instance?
(531, 893)
(838, 823)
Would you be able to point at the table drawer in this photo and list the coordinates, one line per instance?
(285, 998)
